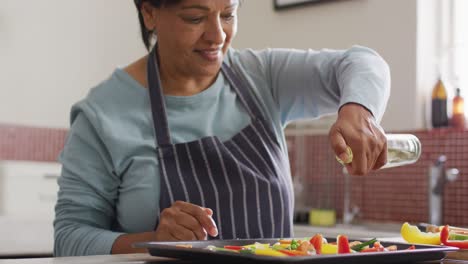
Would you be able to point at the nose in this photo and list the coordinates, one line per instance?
(214, 31)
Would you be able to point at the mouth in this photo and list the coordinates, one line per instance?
(211, 55)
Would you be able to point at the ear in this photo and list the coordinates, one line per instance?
(149, 15)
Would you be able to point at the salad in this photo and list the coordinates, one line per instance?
(308, 247)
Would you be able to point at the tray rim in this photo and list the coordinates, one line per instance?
(171, 245)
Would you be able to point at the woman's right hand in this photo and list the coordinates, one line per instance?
(185, 221)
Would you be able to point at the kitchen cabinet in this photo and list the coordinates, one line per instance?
(28, 193)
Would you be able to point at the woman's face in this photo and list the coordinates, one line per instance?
(194, 35)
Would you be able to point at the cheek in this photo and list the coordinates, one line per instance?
(230, 32)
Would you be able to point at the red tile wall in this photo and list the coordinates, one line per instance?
(30, 143)
(388, 195)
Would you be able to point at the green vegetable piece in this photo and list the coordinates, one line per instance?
(361, 246)
(277, 247)
(225, 250)
(455, 236)
(249, 251)
(294, 244)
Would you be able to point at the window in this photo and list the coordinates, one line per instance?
(460, 45)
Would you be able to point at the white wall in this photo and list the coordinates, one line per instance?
(389, 27)
(53, 51)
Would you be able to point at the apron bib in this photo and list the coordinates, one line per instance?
(244, 180)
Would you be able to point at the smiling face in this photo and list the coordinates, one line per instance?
(194, 35)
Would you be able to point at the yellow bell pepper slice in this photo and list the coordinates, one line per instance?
(328, 249)
(269, 252)
(412, 234)
(257, 246)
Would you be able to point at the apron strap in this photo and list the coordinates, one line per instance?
(158, 107)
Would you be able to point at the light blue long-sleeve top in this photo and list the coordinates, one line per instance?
(110, 178)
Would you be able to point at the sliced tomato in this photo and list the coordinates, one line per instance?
(317, 241)
(234, 247)
(343, 244)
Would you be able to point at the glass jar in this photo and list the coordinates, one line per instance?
(402, 149)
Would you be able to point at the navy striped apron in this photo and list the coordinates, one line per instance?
(245, 180)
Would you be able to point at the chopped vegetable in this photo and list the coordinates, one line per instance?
(444, 236)
(317, 242)
(456, 236)
(329, 249)
(247, 251)
(213, 248)
(269, 252)
(376, 248)
(359, 247)
(343, 244)
(293, 252)
(412, 234)
(391, 248)
(234, 247)
(184, 246)
(294, 244)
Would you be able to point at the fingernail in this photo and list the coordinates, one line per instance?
(347, 156)
(214, 232)
(344, 157)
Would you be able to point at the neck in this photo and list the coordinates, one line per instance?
(179, 83)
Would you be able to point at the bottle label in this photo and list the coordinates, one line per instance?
(439, 113)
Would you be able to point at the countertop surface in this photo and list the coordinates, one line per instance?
(33, 238)
(26, 236)
(130, 259)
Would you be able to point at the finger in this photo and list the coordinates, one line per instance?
(359, 164)
(370, 160)
(192, 224)
(163, 234)
(201, 215)
(340, 148)
(382, 159)
(182, 233)
(209, 211)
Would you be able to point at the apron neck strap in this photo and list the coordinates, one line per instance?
(158, 107)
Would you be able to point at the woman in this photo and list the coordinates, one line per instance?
(187, 143)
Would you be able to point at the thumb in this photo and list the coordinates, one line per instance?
(341, 149)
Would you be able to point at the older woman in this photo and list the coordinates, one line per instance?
(187, 142)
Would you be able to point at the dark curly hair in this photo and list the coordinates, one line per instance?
(145, 33)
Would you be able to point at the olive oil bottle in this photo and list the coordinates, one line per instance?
(439, 105)
(458, 111)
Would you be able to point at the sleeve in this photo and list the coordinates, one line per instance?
(88, 189)
(309, 84)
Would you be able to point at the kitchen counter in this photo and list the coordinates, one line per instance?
(20, 237)
(33, 238)
(129, 259)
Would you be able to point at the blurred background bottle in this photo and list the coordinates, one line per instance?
(458, 111)
(439, 105)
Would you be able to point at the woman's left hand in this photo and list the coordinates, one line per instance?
(356, 127)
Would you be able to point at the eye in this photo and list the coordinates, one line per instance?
(194, 20)
(228, 17)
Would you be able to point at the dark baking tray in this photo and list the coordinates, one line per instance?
(199, 253)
